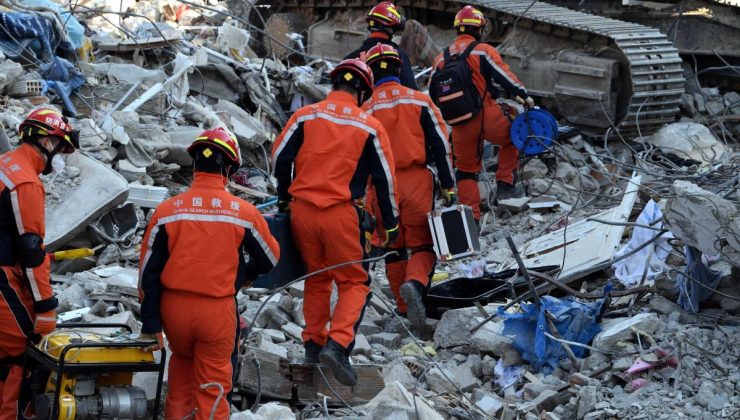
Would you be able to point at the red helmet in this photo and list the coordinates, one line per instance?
(382, 52)
(357, 73)
(221, 140)
(469, 16)
(43, 122)
(385, 15)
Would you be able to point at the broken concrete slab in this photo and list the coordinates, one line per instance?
(362, 346)
(71, 298)
(394, 402)
(490, 403)
(687, 140)
(515, 205)
(386, 339)
(293, 331)
(719, 230)
(100, 189)
(615, 330)
(454, 327)
(546, 401)
(488, 338)
(588, 245)
(397, 371)
(269, 411)
(248, 129)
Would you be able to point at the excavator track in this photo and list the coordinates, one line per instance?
(650, 78)
(653, 63)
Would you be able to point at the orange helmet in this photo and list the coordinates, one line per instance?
(382, 52)
(220, 139)
(43, 122)
(385, 15)
(355, 72)
(469, 16)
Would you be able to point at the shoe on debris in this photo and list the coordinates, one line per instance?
(312, 352)
(412, 293)
(336, 358)
(505, 191)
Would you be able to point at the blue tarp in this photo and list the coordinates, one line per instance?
(574, 320)
(62, 77)
(75, 31)
(690, 294)
(19, 31)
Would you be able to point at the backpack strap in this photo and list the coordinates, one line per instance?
(468, 50)
(447, 54)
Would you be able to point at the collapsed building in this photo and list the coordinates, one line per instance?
(625, 304)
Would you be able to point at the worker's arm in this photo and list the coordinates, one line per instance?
(437, 143)
(153, 258)
(495, 70)
(284, 151)
(27, 200)
(407, 73)
(381, 167)
(261, 246)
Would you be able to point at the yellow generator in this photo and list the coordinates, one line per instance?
(79, 375)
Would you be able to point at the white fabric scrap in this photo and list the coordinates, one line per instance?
(629, 271)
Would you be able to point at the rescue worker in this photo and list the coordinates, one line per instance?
(418, 137)
(28, 305)
(488, 71)
(332, 147)
(383, 21)
(199, 249)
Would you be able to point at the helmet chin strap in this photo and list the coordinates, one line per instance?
(48, 154)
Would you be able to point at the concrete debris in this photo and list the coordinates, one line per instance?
(719, 230)
(269, 411)
(616, 330)
(394, 402)
(157, 74)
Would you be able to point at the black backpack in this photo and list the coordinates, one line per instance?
(452, 88)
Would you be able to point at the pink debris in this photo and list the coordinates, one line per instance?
(637, 384)
(641, 365)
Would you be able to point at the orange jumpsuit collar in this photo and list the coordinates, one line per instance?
(30, 152)
(341, 96)
(379, 34)
(464, 37)
(209, 180)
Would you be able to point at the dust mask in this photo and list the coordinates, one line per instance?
(57, 164)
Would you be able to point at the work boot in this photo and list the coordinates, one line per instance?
(312, 352)
(336, 358)
(504, 191)
(413, 294)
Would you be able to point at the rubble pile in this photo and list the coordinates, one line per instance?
(638, 238)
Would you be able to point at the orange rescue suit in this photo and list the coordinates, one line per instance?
(199, 249)
(322, 161)
(488, 71)
(418, 137)
(24, 272)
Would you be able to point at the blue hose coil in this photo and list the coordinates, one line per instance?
(533, 131)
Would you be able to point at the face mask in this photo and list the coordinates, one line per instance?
(57, 164)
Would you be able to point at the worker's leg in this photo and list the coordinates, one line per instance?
(177, 324)
(395, 270)
(496, 130)
(467, 149)
(16, 318)
(419, 201)
(317, 288)
(215, 329)
(344, 242)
